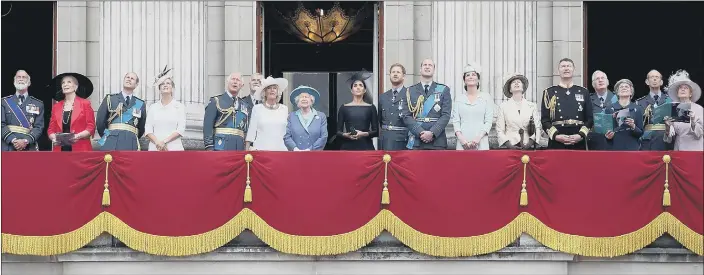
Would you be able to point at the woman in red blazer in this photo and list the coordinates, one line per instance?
(73, 114)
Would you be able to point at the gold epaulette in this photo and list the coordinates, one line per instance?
(647, 114)
(419, 103)
(550, 104)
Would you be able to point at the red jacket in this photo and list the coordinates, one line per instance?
(82, 118)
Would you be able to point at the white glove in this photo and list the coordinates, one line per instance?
(296, 149)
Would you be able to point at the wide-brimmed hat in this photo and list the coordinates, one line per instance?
(471, 67)
(304, 89)
(269, 81)
(161, 77)
(679, 78)
(511, 78)
(84, 90)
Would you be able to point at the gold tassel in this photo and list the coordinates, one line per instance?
(666, 194)
(524, 193)
(385, 198)
(248, 190)
(106, 191)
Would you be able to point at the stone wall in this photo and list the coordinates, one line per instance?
(385, 255)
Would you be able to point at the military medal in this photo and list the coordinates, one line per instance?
(568, 92)
(220, 142)
(437, 108)
(399, 107)
(136, 121)
(437, 98)
(31, 120)
(580, 108)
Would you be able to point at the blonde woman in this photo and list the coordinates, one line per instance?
(268, 120)
(166, 122)
(687, 135)
(516, 125)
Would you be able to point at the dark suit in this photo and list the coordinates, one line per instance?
(598, 141)
(33, 110)
(393, 132)
(120, 125)
(225, 123)
(566, 111)
(436, 120)
(652, 139)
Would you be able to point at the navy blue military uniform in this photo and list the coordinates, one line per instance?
(225, 123)
(428, 109)
(652, 139)
(121, 122)
(22, 118)
(394, 133)
(566, 111)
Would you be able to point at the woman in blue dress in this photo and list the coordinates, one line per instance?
(628, 119)
(307, 129)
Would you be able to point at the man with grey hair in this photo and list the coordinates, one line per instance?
(601, 100)
(254, 82)
(226, 118)
(652, 139)
(22, 117)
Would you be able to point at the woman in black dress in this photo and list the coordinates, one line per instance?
(357, 121)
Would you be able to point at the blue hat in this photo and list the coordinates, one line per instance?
(304, 89)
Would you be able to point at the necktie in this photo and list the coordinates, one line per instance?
(426, 89)
(656, 97)
(127, 101)
(21, 99)
(602, 102)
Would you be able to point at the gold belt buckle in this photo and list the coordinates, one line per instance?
(426, 119)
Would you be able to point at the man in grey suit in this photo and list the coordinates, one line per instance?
(226, 118)
(428, 111)
(22, 117)
(121, 118)
(254, 83)
(601, 99)
(394, 133)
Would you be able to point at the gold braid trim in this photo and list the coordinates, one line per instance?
(54, 244)
(351, 241)
(550, 104)
(419, 103)
(647, 114)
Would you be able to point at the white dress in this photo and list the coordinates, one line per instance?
(162, 121)
(267, 128)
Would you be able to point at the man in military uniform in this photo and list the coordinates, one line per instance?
(428, 110)
(652, 139)
(601, 100)
(226, 118)
(121, 118)
(254, 83)
(566, 115)
(394, 134)
(22, 117)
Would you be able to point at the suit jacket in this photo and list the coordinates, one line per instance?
(82, 118)
(313, 138)
(509, 122)
(33, 109)
(596, 141)
(442, 115)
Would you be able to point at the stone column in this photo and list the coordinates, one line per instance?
(239, 40)
(567, 36)
(399, 39)
(422, 33)
(546, 68)
(72, 40)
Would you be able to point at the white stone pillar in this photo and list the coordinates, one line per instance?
(239, 41)
(72, 37)
(568, 29)
(398, 39)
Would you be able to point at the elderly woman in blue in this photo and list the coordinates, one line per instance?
(307, 129)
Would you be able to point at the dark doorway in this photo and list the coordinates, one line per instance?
(28, 44)
(322, 66)
(628, 39)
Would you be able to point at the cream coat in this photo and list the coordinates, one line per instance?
(509, 121)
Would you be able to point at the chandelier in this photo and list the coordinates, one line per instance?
(323, 27)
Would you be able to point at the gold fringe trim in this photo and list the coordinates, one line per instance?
(55, 244)
(351, 241)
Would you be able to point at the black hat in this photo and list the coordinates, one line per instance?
(361, 76)
(85, 86)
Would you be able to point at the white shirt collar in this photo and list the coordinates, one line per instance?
(125, 95)
(26, 95)
(659, 94)
(426, 83)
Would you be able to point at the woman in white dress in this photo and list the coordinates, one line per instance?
(166, 119)
(472, 113)
(267, 125)
(516, 125)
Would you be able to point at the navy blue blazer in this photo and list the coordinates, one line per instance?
(314, 138)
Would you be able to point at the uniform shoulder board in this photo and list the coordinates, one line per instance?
(137, 98)
(440, 84)
(8, 96)
(641, 98)
(35, 98)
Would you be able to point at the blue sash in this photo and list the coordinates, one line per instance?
(124, 118)
(18, 113)
(427, 106)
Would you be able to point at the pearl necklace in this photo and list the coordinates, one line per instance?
(69, 113)
(276, 106)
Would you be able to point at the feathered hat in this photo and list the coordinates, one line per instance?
(162, 76)
(362, 75)
(679, 78)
